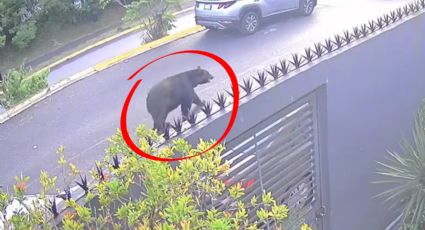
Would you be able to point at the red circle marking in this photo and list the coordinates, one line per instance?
(235, 89)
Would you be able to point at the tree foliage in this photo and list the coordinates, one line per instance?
(154, 15)
(136, 193)
(20, 19)
(24, 34)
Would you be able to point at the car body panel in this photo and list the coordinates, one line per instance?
(209, 14)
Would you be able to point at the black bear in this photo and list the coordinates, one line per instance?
(173, 91)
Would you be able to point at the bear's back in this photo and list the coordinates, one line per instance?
(170, 92)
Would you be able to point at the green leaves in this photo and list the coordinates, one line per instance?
(117, 145)
(20, 186)
(154, 15)
(279, 212)
(123, 212)
(4, 200)
(181, 209)
(47, 182)
(236, 191)
(405, 172)
(18, 22)
(220, 224)
(268, 199)
(2, 38)
(262, 214)
(19, 85)
(104, 3)
(117, 188)
(69, 224)
(84, 214)
(24, 34)
(144, 194)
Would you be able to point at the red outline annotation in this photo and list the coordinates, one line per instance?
(235, 89)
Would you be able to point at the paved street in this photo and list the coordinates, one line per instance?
(83, 115)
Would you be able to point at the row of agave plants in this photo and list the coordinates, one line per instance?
(295, 62)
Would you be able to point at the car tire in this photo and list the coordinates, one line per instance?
(250, 22)
(306, 7)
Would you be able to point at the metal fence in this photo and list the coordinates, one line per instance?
(280, 155)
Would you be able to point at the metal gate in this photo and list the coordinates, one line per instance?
(281, 155)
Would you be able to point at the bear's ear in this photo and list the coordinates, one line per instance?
(199, 67)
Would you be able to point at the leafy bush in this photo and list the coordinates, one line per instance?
(59, 11)
(154, 15)
(406, 173)
(18, 85)
(18, 22)
(20, 19)
(135, 193)
(24, 34)
(90, 10)
(69, 11)
(2, 39)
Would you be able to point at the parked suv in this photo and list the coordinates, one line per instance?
(245, 14)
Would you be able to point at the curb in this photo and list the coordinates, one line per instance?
(22, 106)
(92, 70)
(148, 46)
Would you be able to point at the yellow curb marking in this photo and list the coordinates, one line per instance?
(146, 47)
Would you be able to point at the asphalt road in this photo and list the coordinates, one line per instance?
(82, 116)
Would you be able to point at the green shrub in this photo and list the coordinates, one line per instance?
(90, 11)
(154, 15)
(18, 22)
(130, 192)
(24, 34)
(405, 173)
(2, 39)
(18, 85)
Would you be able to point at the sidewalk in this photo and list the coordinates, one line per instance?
(110, 50)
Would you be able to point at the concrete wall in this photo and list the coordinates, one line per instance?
(372, 92)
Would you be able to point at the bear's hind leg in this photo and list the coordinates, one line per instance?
(185, 108)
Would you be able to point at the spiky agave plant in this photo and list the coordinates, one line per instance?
(406, 173)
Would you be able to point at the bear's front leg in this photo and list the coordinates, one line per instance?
(197, 100)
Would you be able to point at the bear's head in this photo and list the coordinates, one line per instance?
(201, 76)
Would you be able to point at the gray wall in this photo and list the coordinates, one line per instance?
(373, 90)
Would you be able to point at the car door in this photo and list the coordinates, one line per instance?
(276, 6)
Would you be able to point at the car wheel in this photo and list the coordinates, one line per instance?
(306, 7)
(249, 23)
